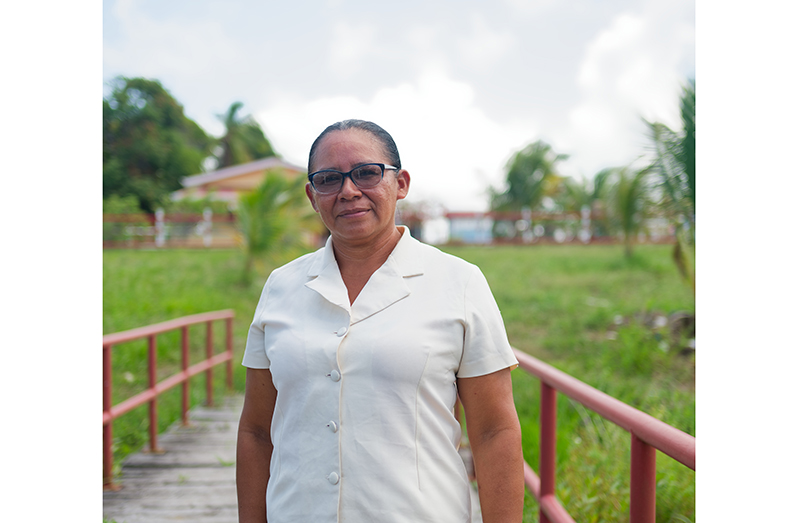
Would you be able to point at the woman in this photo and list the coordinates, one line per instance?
(356, 356)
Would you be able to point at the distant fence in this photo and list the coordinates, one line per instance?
(220, 230)
(150, 395)
(169, 230)
(648, 435)
(527, 227)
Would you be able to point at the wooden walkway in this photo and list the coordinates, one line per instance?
(194, 480)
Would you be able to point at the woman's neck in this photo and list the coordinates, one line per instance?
(358, 262)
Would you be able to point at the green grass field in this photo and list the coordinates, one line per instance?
(583, 309)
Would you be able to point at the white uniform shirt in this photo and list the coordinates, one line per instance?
(363, 428)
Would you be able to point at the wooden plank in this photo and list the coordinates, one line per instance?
(194, 480)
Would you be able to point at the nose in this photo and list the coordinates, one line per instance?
(349, 190)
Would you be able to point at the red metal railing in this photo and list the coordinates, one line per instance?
(648, 435)
(150, 395)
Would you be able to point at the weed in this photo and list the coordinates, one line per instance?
(225, 463)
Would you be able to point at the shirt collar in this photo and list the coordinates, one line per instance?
(405, 255)
(385, 287)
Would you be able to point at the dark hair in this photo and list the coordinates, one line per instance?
(375, 130)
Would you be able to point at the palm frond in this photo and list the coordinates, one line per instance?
(273, 216)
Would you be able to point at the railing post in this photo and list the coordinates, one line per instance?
(229, 327)
(108, 434)
(184, 351)
(209, 355)
(152, 368)
(548, 443)
(643, 488)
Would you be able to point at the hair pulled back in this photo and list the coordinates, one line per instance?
(370, 127)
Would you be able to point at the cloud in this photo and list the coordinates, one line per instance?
(157, 47)
(483, 46)
(607, 53)
(424, 48)
(451, 148)
(350, 46)
(536, 7)
(629, 71)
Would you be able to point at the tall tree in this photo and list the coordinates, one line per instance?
(674, 164)
(531, 175)
(148, 142)
(575, 195)
(629, 203)
(243, 140)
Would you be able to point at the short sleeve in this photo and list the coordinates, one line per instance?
(255, 351)
(485, 345)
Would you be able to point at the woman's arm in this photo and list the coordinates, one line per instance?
(254, 451)
(495, 437)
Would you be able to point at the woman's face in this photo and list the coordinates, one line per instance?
(353, 215)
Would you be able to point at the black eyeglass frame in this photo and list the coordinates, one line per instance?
(344, 175)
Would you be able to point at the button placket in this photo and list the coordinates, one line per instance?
(335, 376)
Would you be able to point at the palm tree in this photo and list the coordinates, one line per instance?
(273, 218)
(243, 140)
(629, 203)
(576, 195)
(674, 163)
(531, 175)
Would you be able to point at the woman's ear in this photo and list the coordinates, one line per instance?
(403, 183)
(310, 194)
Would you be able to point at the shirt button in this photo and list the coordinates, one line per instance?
(333, 426)
(333, 478)
(340, 332)
(335, 375)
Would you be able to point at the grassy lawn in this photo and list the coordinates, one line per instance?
(583, 309)
(563, 304)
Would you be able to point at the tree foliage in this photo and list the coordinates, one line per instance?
(576, 194)
(243, 140)
(531, 175)
(148, 142)
(674, 163)
(674, 160)
(629, 203)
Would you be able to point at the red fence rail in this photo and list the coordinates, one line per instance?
(648, 435)
(150, 395)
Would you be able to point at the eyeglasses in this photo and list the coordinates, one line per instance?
(329, 181)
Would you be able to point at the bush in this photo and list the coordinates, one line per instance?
(122, 231)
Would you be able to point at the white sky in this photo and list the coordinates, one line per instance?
(461, 86)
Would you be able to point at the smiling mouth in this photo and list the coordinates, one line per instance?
(354, 213)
